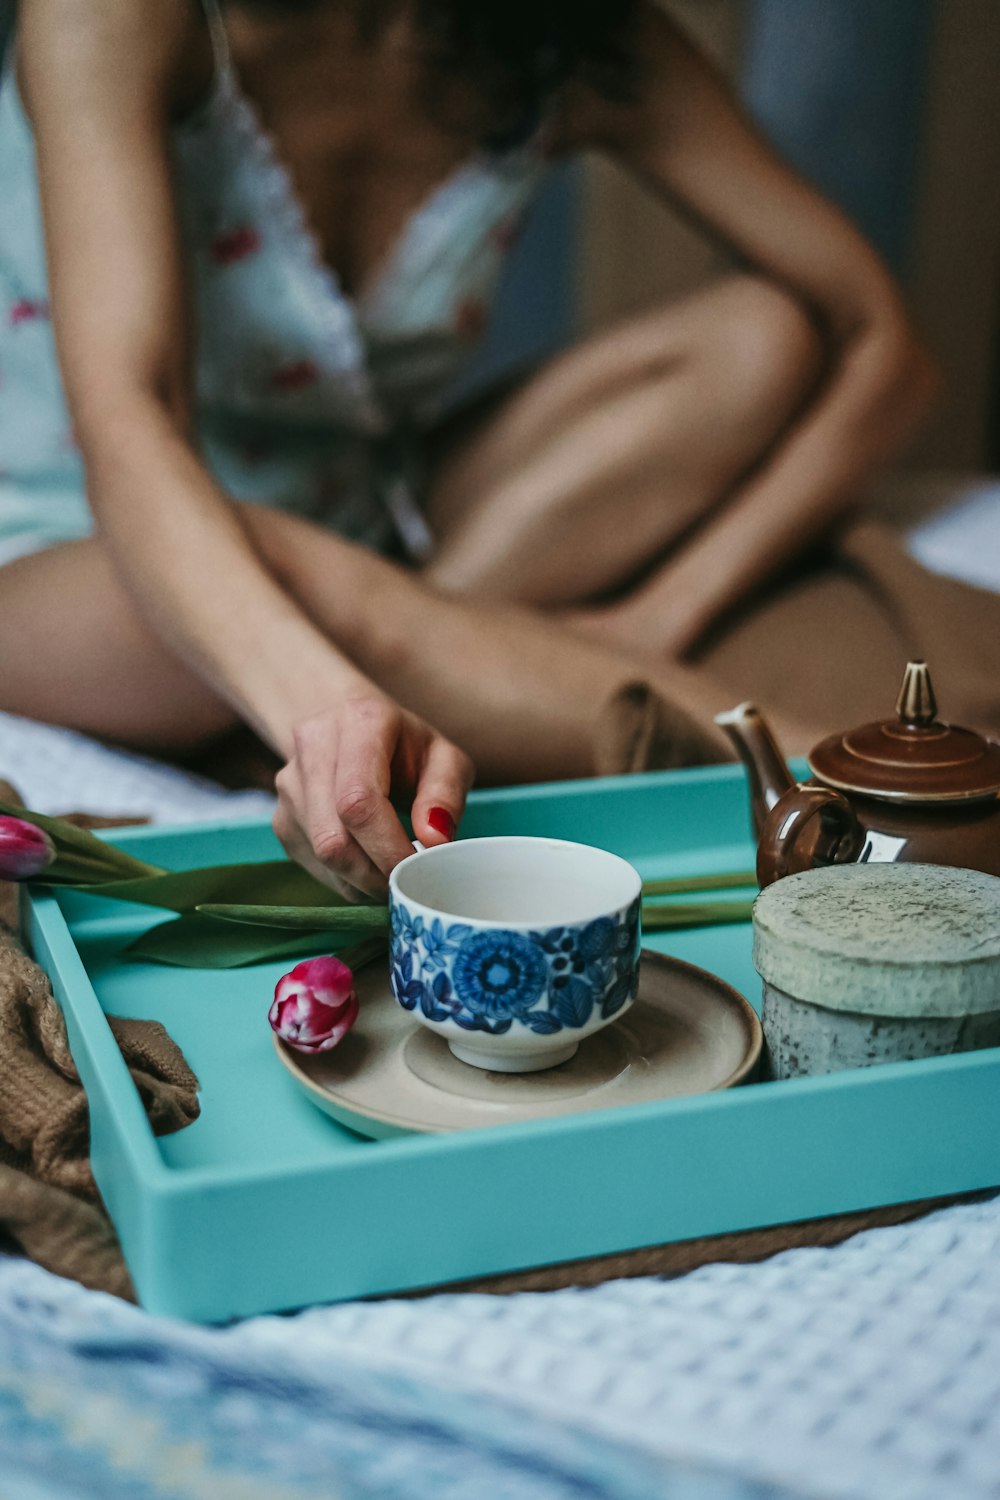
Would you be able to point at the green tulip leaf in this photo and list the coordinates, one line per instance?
(194, 941)
(302, 918)
(276, 882)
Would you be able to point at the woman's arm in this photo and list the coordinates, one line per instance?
(101, 82)
(686, 137)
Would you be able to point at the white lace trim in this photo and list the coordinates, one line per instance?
(286, 214)
(221, 50)
(432, 224)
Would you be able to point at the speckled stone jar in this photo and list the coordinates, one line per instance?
(876, 963)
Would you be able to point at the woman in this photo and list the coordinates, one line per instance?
(271, 233)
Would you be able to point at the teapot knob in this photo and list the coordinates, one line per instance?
(916, 704)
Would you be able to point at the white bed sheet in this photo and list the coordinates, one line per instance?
(961, 535)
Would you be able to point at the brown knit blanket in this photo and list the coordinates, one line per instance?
(49, 1204)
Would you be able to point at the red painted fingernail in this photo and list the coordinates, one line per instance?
(442, 821)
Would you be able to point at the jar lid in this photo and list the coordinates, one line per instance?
(883, 939)
(913, 757)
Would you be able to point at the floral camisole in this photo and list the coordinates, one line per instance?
(306, 398)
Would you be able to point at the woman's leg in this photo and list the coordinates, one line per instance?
(588, 474)
(522, 695)
(76, 653)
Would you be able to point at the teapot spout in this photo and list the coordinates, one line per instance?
(756, 746)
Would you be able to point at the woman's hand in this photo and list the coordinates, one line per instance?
(334, 813)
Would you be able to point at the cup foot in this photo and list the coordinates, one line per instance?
(516, 1062)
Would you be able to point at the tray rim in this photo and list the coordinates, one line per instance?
(128, 1159)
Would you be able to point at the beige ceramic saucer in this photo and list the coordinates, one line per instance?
(687, 1033)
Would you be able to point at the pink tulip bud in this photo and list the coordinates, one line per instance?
(315, 1005)
(25, 851)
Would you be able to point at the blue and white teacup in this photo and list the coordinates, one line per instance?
(514, 949)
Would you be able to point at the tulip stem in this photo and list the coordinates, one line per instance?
(359, 954)
(301, 918)
(694, 914)
(679, 885)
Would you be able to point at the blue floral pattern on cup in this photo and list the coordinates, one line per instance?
(489, 979)
(498, 974)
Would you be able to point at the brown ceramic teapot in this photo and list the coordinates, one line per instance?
(908, 788)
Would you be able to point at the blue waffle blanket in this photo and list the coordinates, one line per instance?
(100, 1401)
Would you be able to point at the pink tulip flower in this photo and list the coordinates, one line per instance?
(25, 851)
(315, 1005)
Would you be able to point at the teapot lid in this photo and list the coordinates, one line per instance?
(913, 757)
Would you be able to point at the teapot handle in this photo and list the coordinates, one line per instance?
(780, 853)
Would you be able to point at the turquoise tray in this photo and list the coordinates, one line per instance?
(265, 1203)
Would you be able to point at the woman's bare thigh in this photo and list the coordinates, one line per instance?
(76, 653)
(598, 463)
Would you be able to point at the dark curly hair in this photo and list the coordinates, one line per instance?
(517, 53)
(511, 55)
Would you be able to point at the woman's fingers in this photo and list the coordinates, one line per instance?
(368, 743)
(344, 769)
(323, 847)
(334, 813)
(444, 785)
(300, 850)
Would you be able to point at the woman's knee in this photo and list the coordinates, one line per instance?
(767, 343)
